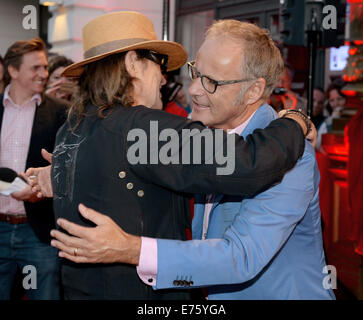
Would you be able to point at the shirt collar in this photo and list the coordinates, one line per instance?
(37, 98)
(239, 129)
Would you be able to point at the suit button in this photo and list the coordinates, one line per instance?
(175, 282)
(122, 174)
(185, 283)
(140, 193)
(129, 185)
(150, 280)
(191, 283)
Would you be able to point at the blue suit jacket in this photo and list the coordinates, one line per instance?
(265, 247)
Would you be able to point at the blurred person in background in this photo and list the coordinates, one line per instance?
(318, 117)
(336, 102)
(2, 82)
(29, 121)
(282, 97)
(182, 100)
(58, 86)
(169, 92)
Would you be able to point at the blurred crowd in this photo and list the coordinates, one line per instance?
(57, 86)
(327, 104)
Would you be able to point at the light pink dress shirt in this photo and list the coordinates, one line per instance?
(148, 263)
(15, 136)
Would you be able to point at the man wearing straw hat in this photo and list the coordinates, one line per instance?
(120, 82)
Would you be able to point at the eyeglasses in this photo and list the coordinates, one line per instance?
(158, 58)
(209, 84)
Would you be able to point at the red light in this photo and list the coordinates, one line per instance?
(350, 93)
(353, 51)
(358, 42)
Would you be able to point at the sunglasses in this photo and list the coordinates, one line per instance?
(158, 58)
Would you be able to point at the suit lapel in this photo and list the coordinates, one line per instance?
(217, 200)
(261, 119)
(197, 223)
(38, 122)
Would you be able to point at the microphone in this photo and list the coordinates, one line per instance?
(10, 181)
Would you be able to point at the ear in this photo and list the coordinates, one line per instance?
(132, 64)
(13, 72)
(255, 91)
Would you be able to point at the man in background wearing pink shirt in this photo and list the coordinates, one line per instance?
(29, 122)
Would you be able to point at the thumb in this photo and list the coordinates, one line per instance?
(92, 215)
(29, 172)
(47, 156)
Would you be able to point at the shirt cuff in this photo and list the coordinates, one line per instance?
(148, 262)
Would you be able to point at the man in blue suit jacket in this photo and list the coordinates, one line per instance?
(268, 246)
(265, 247)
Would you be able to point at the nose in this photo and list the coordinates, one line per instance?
(196, 88)
(44, 73)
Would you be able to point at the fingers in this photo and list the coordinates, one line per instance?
(92, 215)
(39, 179)
(68, 252)
(71, 248)
(33, 182)
(23, 194)
(31, 176)
(73, 229)
(23, 175)
(47, 155)
(65, 243)
(76, 259)
(30, 172)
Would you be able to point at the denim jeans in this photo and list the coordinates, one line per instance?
(38, 262)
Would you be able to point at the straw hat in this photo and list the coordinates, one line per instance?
(123, 31)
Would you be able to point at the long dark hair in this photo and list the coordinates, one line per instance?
(103, 83)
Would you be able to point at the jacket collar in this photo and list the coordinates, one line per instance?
(260, 119)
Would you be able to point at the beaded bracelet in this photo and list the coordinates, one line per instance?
(303, 116)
